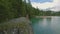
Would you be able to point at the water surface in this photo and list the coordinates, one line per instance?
(46, 25)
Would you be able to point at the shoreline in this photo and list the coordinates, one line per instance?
(19, 23)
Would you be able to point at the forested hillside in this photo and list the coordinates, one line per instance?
(10, 9)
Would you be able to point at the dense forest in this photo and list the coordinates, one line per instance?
(10, 9)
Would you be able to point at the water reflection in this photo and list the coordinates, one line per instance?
(47, 26)
(55, 23)
(45, 22)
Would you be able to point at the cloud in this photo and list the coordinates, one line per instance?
(42, 5)
(46, 5)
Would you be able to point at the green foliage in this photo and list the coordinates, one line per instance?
(10, 9)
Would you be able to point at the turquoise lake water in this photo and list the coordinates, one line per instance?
(46, 25)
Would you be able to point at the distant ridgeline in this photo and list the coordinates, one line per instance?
(10, 9)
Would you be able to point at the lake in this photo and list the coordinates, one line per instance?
(46, 25)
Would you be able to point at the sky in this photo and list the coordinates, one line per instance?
(53, 5)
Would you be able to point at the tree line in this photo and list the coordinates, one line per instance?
(10, 9)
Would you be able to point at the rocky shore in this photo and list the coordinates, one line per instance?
(17, 26)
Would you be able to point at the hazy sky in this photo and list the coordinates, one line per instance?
(44, 4)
